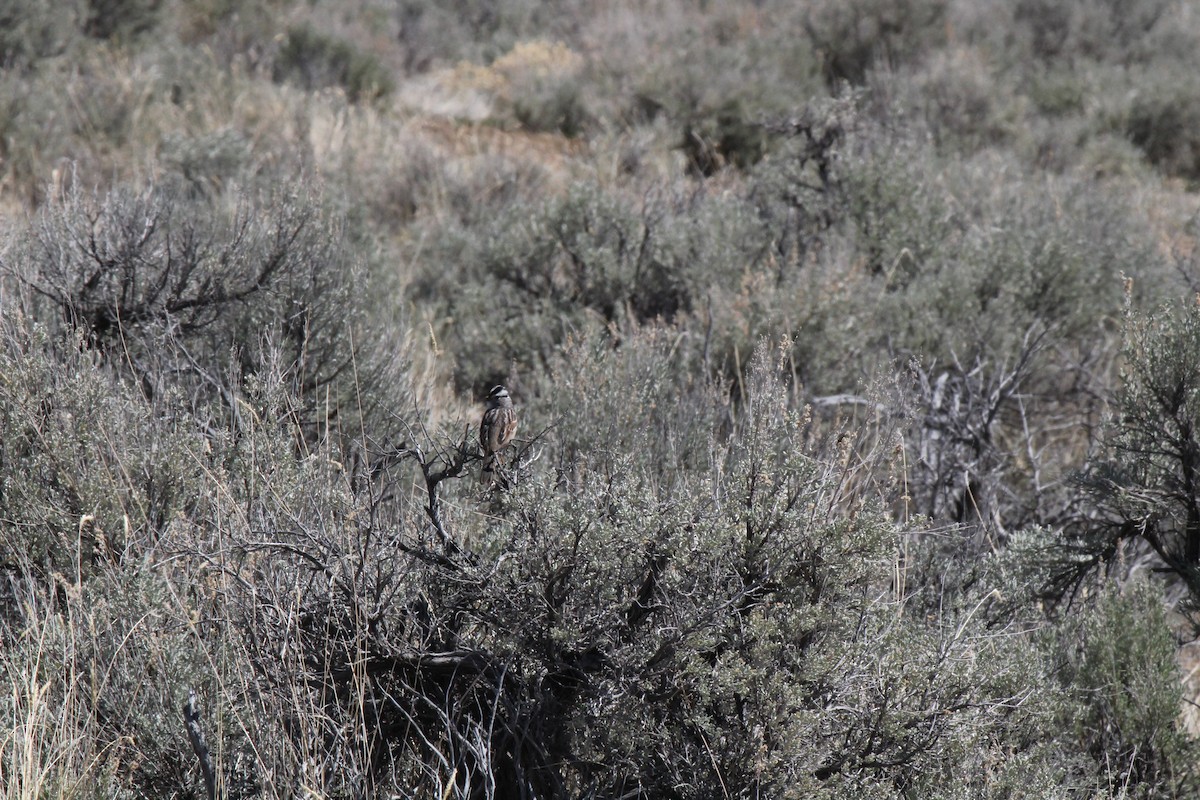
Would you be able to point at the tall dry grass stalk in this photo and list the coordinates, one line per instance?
(53, 749)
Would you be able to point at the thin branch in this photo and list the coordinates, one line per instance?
(191, 719)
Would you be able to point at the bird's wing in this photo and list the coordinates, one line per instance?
(510, 427)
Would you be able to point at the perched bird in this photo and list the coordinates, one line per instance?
(496, 430)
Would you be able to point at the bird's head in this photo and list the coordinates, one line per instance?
(498, 396)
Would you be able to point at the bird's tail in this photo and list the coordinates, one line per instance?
(487, 474)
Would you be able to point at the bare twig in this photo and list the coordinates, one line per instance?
(191, 719)
(435, 469)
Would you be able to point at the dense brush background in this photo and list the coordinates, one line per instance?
(856, 346)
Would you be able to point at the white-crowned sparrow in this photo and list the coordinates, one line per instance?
(496, 430)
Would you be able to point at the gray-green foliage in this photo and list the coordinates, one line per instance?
(1123, 32)
(162, 283)
(724, 267)
(433, 34)
(1095, 68)
(840, 229)
(316, 60)
(218, 470)
(729, 625)
(730, 621)
(856, 36)
(962, 262)
(727, 103)
(1001, 301)
(736, 630)
(1123, 678)
(638, 399)
(31, 30)
(121, 20)
(34, 29)
(581, 263)
(88, 470)
(99, 668)
(1146, 478)
(1161, 121)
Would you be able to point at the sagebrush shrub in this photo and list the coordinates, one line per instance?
(91, 472)
(316, 60)
(571, 263)
(1126, 679)
(853, 37)
(1144, 479)
(1122, 32)
(1162, 121)
(164, 284)
(725, 103)
(32, 29)
(121, 19)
